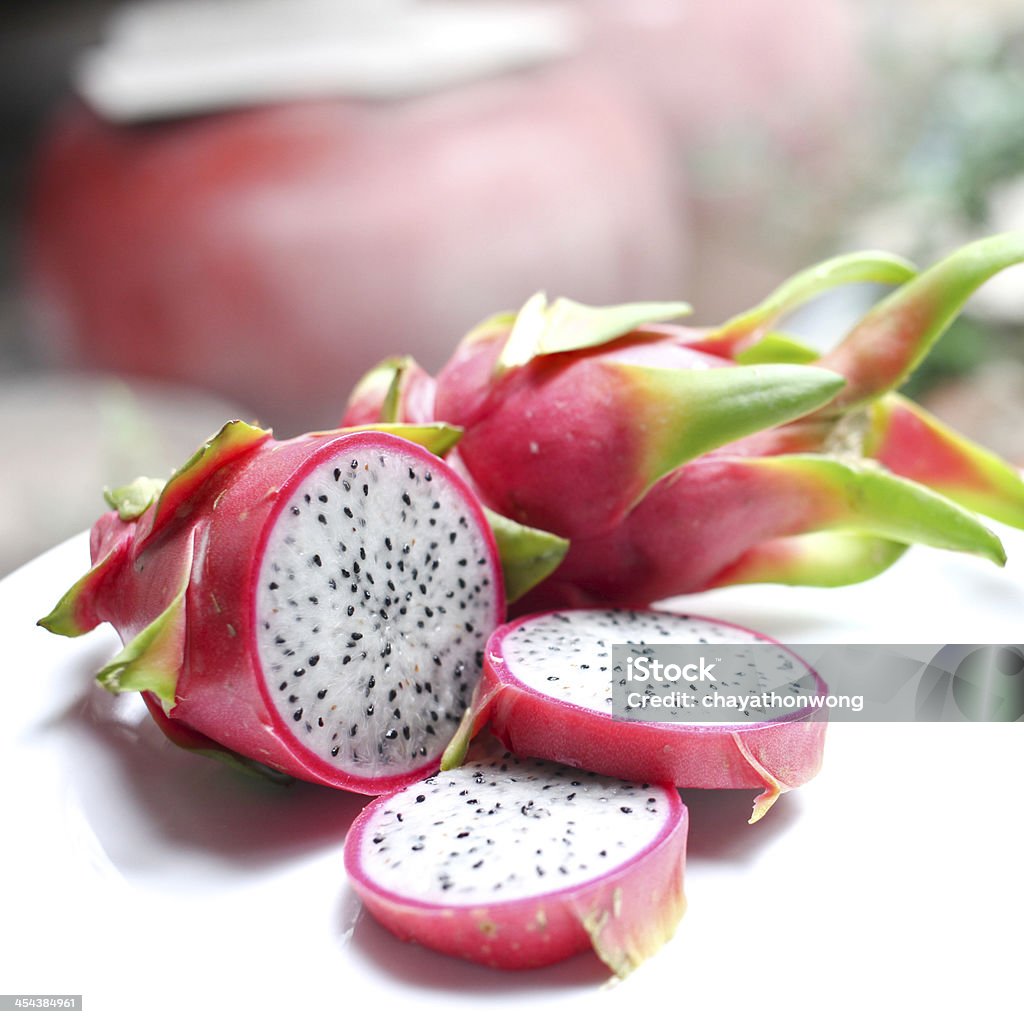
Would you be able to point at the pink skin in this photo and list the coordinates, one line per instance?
(778, 756)
(516, 941)
(533, 435)
(221, 692)
(719, 509)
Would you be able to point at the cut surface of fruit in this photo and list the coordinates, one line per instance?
(548, 691)
(521, 863)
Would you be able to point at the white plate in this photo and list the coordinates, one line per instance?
(158, 884)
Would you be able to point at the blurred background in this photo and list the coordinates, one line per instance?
(234, 207)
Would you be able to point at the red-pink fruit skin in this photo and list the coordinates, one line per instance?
(221, 690)
(532, 724)
(689, 528)
(510, 935)
(559, 426)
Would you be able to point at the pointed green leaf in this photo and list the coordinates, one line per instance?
(151, 661)
(389, 407)
(232, 441)
(458, 745)
(852, 268)
(892, 338)
(913, 443)
(131, 500)
(527, 555)
(74, 614)
(862, 496)
(777, 348)
(681, 414)
(567, 326)
(383, 379)
(831, 559)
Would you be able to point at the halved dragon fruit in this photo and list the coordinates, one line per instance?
(519, 864)
(318, 606)
(548, 691)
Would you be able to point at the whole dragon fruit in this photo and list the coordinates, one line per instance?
(677, 459)
(317, 606)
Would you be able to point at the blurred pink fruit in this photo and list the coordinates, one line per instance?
(274, 254)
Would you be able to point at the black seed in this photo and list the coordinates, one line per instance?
(297, 715)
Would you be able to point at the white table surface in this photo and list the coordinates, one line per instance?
(161, 885)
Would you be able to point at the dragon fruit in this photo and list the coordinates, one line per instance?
(520, 864)
(677, 459)
(547, 692)
(317, 606)
(396, 390)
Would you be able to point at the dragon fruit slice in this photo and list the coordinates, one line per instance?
(318, 606)
(518, 864)
(547, 692)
